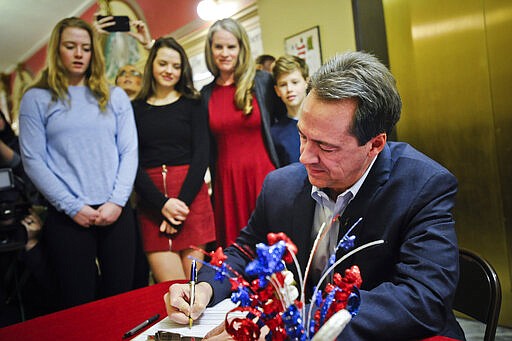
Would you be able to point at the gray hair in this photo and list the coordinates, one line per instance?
(361, 76)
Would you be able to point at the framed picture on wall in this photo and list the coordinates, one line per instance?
(306, 45)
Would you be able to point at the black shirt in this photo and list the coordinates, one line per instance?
(172, 134)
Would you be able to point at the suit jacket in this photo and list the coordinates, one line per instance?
(409, 282)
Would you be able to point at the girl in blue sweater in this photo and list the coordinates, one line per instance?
(79, 147)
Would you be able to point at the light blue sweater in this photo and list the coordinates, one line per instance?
(74, 153)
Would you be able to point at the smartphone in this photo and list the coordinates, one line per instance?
(122, 23)
(6, 179)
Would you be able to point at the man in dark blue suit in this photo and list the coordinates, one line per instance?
(348, 168)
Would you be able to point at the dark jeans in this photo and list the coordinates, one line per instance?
(73, 251)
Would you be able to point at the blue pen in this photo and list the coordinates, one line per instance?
(193, 279)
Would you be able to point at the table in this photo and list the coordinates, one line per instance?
(105, 319)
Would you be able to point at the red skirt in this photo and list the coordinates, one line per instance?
(198, 228)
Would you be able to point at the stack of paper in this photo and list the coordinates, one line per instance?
(211, 318)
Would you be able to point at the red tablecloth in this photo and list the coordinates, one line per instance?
(106, 319)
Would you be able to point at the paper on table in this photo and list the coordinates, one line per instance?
(210, 319)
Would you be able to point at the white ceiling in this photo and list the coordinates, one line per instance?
(25, 26)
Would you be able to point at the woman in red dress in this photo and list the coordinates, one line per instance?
(241, 104)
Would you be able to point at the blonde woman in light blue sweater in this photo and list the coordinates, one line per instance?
(79, 147)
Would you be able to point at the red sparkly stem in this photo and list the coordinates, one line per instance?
(244, 251)
(209, 254)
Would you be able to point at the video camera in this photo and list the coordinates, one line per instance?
(14, 206)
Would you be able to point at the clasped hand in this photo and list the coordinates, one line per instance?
(176, 212)
(105, 215)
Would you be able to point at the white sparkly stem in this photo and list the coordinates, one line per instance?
(319, 237)
(334, 326)
(277, 288)
(341, 240)
(367, 245)
(301, 282)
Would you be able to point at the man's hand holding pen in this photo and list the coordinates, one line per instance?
(193, 280)
(177, 301)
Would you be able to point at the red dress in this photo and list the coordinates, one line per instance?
(241, 165)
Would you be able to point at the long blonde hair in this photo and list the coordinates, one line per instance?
(245, 69)
(54, 76)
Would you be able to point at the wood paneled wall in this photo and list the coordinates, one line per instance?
(453, 67)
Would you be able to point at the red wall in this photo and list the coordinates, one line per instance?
(35, 63)
(162, 17)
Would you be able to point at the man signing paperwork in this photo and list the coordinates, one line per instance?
(348, 168)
